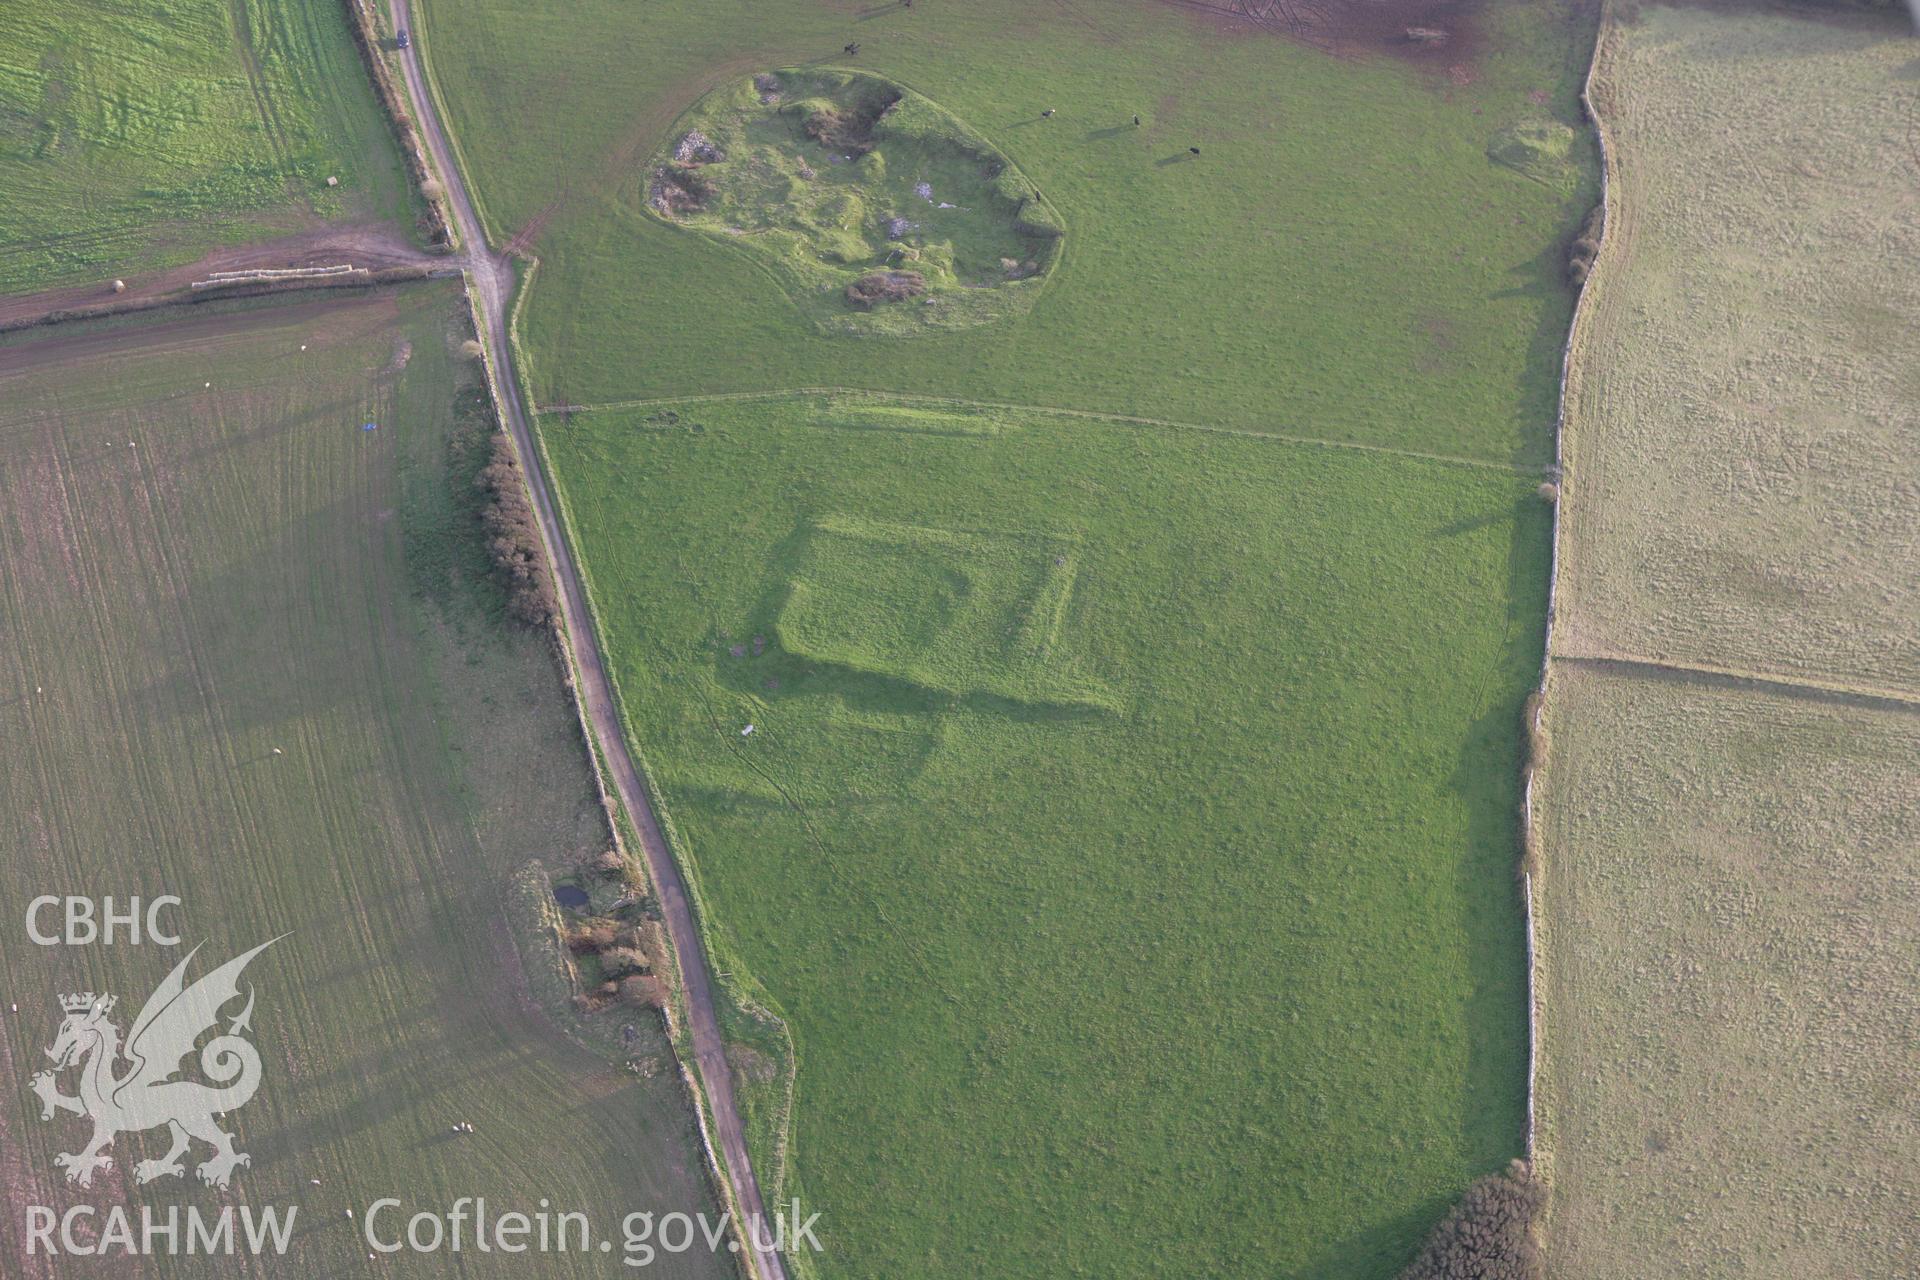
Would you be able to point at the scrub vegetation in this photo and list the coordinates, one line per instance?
(862, 197)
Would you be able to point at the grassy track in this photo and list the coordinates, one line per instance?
(255, 572)
(1345, 258)
(134, 137)
(1141, 893)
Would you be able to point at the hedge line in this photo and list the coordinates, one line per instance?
(394, 102)
(243, 289)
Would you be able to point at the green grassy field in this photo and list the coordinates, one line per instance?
(136, 136)
(1203, 943)
(1127, 825)
(253, 659)
(1344, 259)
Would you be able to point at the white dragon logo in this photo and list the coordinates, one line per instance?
(146, 1096)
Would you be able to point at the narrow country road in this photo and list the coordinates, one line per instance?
(492, 283)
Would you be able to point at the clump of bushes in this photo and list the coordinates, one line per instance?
(1489, 1234)
(615, 954)
(619, 962)
(513, 538)
(1585, 248)
(590, 937)
(643, 990)
(878, 287)
(393, 100)
(622, 955)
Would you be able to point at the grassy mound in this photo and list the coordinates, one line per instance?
(860, 414)
(1538, 149)
(955, 612)
(879, 212)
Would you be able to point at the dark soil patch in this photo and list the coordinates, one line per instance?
(1443, 35)
(850, 132)
(1440, 343)
(877, 287)
(680, 188)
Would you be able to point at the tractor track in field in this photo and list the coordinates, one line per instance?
(491, 279)
(257, 85)
(1815, 688)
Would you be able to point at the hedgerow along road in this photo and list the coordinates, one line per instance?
(491, 281)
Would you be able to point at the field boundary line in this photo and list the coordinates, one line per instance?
(417, 35)
(1094, 415)
(361, 278)
(495, 295)
(1536, 728)
(1811, 687)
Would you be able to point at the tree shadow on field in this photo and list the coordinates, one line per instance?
(344, 410)
(1471, 523)
(452, 1035)
(1542, 280)
(266, 656)
(1487, 779)
(1382, 1249)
